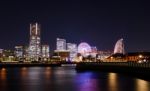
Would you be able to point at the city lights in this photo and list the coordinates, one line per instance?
(67, 51)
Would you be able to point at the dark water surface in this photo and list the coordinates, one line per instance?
(66, 79)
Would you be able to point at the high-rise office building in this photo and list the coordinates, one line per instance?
(61, 50)
(61, 44)
(73, 50)
(19, 51)
(45, 51)
(35, 42)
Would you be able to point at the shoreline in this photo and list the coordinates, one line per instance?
(36, 64)
(29, 65)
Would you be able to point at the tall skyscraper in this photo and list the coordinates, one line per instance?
(73, 50)
(61, 44)
(35, 42)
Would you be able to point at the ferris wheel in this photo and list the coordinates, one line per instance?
(84, 49)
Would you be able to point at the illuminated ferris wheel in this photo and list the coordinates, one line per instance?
(84, 49)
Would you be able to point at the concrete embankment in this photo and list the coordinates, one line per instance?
(135, 69)
(32, 64)
(29, 65)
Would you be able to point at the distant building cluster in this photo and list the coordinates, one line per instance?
(37, 52)
(69, 51)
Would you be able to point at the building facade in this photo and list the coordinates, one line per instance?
(93, 51)
(34, 52)
(1, 55)
(73, 50)
(61, 50)
(60, 44)
(19, 51)
(119, 47)
(45, 51)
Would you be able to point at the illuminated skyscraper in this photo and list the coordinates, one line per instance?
(45, 51)
(73, 49)
(61, 44)
(35, 42)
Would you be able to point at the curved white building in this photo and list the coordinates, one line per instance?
(119, 47)
(84, 49)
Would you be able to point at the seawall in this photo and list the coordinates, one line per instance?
(134, 69)
(29, 65)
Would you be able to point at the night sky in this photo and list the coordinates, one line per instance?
(99, 23)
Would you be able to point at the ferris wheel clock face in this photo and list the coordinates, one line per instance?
(84, 48)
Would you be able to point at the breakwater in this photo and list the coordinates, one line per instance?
(141, 70)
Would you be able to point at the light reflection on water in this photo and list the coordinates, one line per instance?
(66, 79)
(24, 72)
(3, 74)
(47, 72)
(142, 85)
(86, 83)
(3, 78)
(113, 82)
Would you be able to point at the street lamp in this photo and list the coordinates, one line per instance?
(140, 56)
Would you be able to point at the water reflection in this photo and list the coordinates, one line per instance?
(3, 74)
(48, 72)
(86, 82)
(24, 72)
(66, 79)
(113, 82)
(34, 73)
(3, 78)
(142, 85)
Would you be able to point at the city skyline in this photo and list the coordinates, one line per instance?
(74, 45)
(98, 23)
